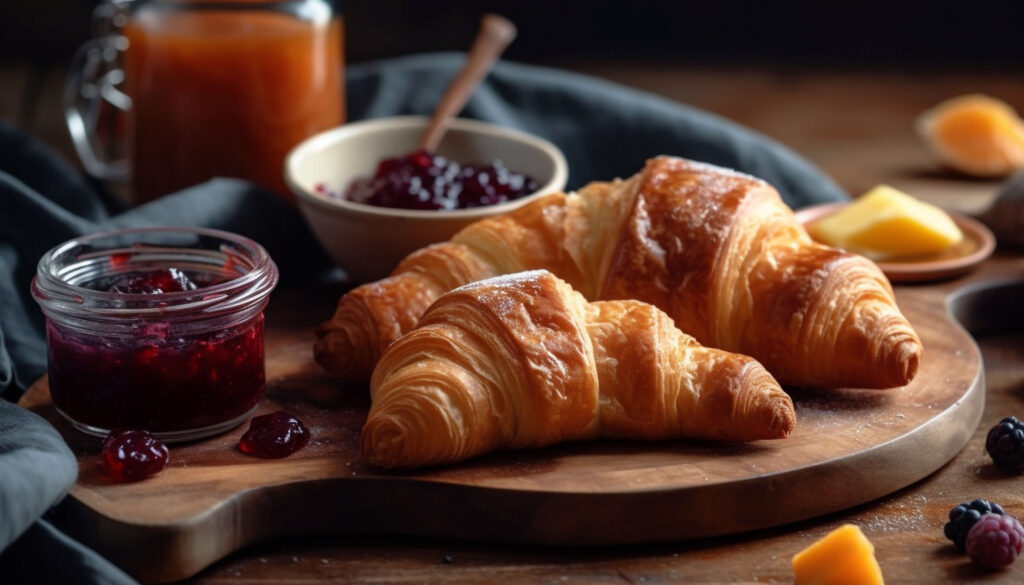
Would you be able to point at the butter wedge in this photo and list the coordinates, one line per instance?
(887, 223)
(842, 557)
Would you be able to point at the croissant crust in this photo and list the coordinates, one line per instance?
(716, 250)
(525, 361)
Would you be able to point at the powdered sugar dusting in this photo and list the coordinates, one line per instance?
(710, 168)
(504, 280)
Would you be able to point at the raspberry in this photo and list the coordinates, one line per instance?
(1005, 443)
(964, 516)
(995, 541)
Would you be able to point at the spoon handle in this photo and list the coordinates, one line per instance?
(496, 32)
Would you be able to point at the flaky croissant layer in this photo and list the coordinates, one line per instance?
(717, 250)
(524, 361)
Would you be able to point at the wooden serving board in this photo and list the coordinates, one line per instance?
(850, 447)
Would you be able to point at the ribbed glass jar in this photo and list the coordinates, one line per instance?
(182, 365)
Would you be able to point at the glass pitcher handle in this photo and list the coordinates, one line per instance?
(94, 105)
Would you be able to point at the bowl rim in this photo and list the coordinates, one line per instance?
(327, 137)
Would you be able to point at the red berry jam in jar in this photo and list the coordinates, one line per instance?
(158, 329)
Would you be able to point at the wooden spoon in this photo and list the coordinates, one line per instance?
(496, 32)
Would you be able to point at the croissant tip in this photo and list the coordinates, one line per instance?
(775, 414)
(783, 418)
(337, 353)
(382, 443)
(901, 362)
(910, 352)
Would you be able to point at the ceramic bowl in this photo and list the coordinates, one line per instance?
(369, 241)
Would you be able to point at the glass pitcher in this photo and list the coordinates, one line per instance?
(171, 93)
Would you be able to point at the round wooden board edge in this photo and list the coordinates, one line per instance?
(421, 507)
(438, 509)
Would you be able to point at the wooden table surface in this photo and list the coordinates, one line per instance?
(858, 126)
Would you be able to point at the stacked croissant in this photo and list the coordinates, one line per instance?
(707, 294)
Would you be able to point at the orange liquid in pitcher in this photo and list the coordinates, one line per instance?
(222, 93)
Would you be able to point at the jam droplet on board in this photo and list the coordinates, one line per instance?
(274, 436)
(133, 455)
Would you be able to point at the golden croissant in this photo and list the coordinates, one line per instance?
(715, 249)
(524, 361)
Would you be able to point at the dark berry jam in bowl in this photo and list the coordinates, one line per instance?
(426, 180)
(369, 232)
(156, 328)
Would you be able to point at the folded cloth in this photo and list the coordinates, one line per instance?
(45, 555)
(38, 468)
(50, 205)
(605, 130)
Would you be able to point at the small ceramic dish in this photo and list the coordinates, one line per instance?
(977, 245)
(369, 241)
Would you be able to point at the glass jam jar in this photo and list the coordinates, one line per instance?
(123, 352)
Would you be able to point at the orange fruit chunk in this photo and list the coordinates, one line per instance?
(842, 557)
(975, 134)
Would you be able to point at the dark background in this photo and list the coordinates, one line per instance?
(841, 33)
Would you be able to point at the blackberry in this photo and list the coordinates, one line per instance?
(995, 541)
(964, 516)
(1005, 443)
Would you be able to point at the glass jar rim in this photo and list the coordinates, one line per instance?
(56, 293)
(311, 10)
